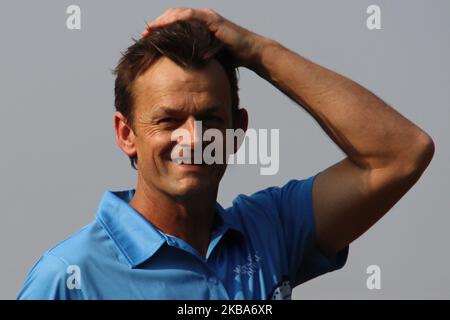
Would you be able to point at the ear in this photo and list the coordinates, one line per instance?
(125, 137)
(240, 121)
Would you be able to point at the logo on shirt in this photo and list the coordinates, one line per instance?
(250, 267)
(282, 291)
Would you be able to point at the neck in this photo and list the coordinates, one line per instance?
(190, 219)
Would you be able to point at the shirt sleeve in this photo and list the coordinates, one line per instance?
(295, 208)
(47, 281)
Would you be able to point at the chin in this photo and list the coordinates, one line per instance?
(193, 185)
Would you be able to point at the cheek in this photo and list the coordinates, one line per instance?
(155, 146)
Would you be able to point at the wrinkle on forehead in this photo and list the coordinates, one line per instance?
(166, 83)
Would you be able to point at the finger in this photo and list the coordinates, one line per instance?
(172, 15)
(155, 23)
(165, 17)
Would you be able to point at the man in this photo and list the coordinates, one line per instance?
(169, 238)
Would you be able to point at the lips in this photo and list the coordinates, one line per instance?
(185, 155)
(186, 161)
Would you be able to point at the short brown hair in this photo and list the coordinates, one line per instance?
(188, 44)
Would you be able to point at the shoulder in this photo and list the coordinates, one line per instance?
(267, 202)
(47, 278)
(81, 246)
(274, 209)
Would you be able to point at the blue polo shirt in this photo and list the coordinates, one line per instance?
(261, 247)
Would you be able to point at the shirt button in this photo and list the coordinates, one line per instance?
(170, 241)
(213, 280)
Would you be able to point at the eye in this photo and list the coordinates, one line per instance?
(212, 118)
(166, 120)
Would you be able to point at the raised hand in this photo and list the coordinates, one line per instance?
(245, 45)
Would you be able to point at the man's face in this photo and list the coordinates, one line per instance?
(169, 97)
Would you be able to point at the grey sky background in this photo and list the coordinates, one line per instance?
(59, 154)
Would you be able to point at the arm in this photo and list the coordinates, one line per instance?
(386, 153)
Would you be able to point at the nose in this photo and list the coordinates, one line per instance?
(195, 137)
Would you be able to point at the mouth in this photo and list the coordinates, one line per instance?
(192, 166)
(185, 165)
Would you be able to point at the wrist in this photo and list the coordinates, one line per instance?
(263, 49)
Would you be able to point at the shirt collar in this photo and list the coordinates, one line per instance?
(136, 237)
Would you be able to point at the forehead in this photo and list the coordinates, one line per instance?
(166, 83)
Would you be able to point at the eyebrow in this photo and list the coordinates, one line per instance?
(173, 110)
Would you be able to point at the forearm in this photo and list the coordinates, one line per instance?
(370, 132)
